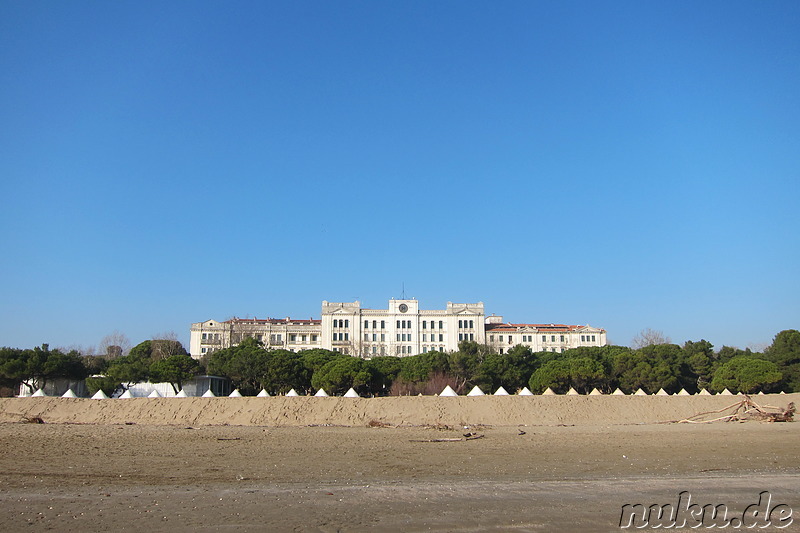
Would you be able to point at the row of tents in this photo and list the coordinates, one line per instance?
(351, 393)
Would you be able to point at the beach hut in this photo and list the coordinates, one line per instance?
(525, 392)
(292, 393)
(640, 392)
(548, 392)
(501, 392)
(704, 392)
(182, 394)
(262, 394)
(38, 394)
(726, 392)
(662, 392)
(209, 394)
(127, 394)
(572, 392)
(476, 391)
(683, 393)
(100, 395)
(595, 392)
(351, 393)
(154, 394)
(69, 394)
(448, 391)
(321, 394)
(235, 394)
(618, 392)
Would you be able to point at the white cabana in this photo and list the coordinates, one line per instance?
(640, 392)
(501, 392)
(683, 392)
(182, 394)
(448, 391)
(351, 393)
(726, 392)
(127, 394)
(262, 394)
(69, 394)
(704, 392)
(595, 392)
(235, 394)
(662, 392)
(321, 393)
(100, 395)
(618, 392)
(292, 393)
(39, 394)
(476, 391)
(548, 392)
(572, 392)
(154, 394)
(209, 394)
(525, 392)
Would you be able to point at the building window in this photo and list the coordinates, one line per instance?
(593, 338)
(383, 337)
(424, 324)
(374, 337)
(366, 324)
(491, 338)
(552, 338)
(471, 324)
(204, 336)
(347, 336)
(562, 338)
(544, 338)
(398, 324)
(441, 339)
(500, 338)
(398, 336)
(374, 324)
(313, 338)
(366, 336)
(383, 324)
(280, 338)
(459, 324)
(441, 324)
(293, 338)
(472, 336)
(347, 323)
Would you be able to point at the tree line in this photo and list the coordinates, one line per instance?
(251, 367)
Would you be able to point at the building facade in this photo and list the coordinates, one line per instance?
(400, 330)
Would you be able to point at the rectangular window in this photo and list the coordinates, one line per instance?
(374, 349)
(583, 338)
(313, 338)
(441, 337)
(500, 338)
(460, 335)
(347, 336)
(347, 323)
(424, 323)
(383, 324)
(366, 336)
(459, 324)
(552, 338)
(593, 338)
(374, 337)
(544, 338)
(374, 324)
(471, 324)
(204, 336)
(366, 324)
(280, 339)
(398, 336)
(383, 337)
(472, 336)
(398, 324)
(491, 338)
(441, 324)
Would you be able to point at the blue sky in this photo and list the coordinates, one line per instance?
(628, 165)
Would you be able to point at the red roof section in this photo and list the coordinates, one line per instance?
(301, 321)
(540, 327)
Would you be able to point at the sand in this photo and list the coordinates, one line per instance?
(312, 464)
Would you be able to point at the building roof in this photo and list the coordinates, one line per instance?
(557, 328)
(287, 320)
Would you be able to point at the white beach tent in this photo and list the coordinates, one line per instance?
(662, 392)
(704, 392)
(726, 392)
(476, 391)
(618, 392)
(235, 394)
(595, 392)
(292, 393)
(127, 394)
(351, 393)
(69, 394)
(182, 394)
(501, 392)
(100, 395)
(448, 391)
(38, 394)
(321, 393)
(572, 392)
(548, 392)
(525, 392)
(154, 394)
(640, 392)
(262, 394)
(683, 393)
(209, 394)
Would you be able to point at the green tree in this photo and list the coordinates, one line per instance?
(340, 374)
(747, 374)
(581, 373)
(286, 371)
(785, 352)
(175, 370)
(247, 365)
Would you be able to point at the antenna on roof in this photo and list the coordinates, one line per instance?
(403, 295)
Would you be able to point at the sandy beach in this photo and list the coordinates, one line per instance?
(544, 464)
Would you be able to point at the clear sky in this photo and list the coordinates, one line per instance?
(628, 165)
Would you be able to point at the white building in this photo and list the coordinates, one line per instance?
(402, 329)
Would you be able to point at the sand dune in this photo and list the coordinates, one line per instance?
(398, 411)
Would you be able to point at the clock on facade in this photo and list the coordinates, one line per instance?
(403, 308)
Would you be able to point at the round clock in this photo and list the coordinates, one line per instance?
(403, 308)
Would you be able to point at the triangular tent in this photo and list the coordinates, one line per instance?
(662, 392)
(154, 394)
(595, 392)
(126, 394)
(235, 394)
(572, 392)
(100, 395)
(351, 393)
(704, 392)
(525, 392)
(39, 394)
(209, 394)
(182, 394)
(548, 392)
(292, 392)
(262, 394)
(321, 394)
(501, 392)
(69, 394)
(683, 393)
(726, 392)
(448, 391)
(640, 392)
(618, 392)
(476, 391)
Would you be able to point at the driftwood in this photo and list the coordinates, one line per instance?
(743, 410)
(467, 436)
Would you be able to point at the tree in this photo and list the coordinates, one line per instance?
(650, 368)
(166, 345)
(175, 369)
(581, 373)
(747, 375)
(785, 352)
(246, 365)
(649, 337)
(35, 368)
(340, 374)
(115, 344)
